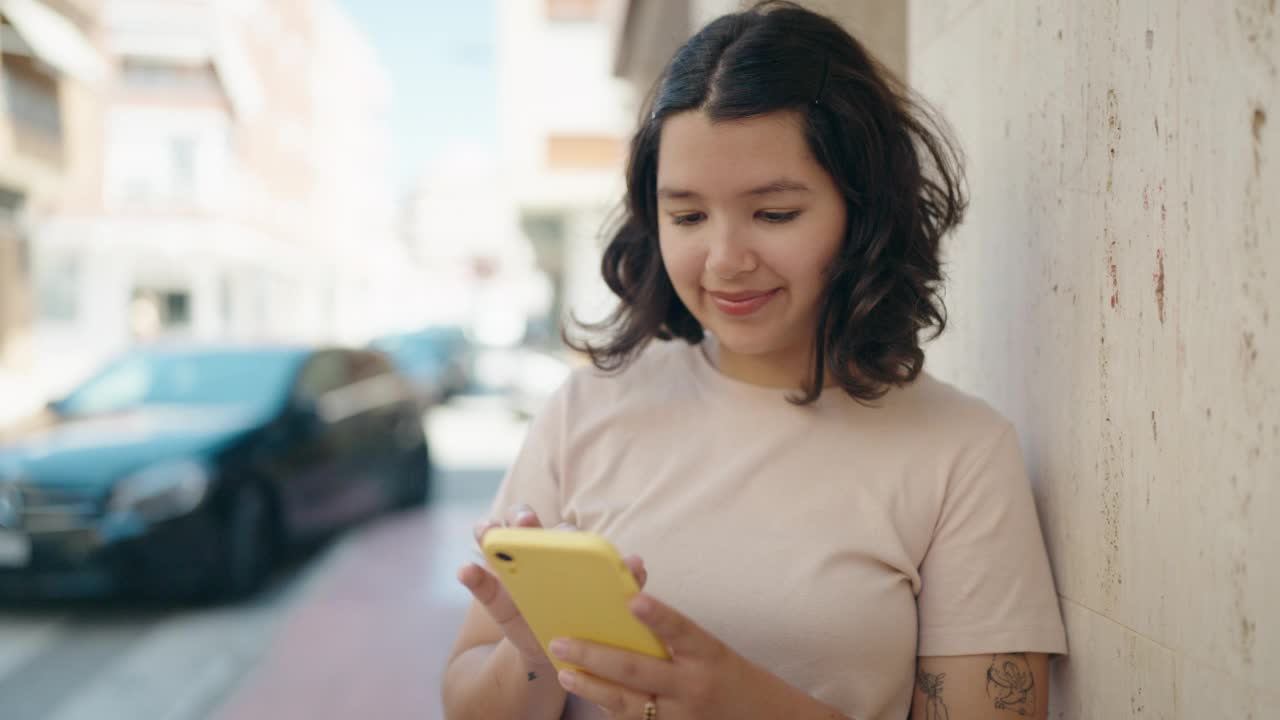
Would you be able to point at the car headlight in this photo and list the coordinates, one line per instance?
(162, 491)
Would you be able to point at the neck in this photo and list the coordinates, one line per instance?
(789, 371)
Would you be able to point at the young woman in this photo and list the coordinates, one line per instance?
(826, 530)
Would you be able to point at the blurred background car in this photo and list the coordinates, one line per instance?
(190, 469)
(437, 360)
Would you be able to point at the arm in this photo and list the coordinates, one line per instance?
(986, 687)
(487, 677)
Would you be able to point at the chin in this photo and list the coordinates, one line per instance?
(746, 340)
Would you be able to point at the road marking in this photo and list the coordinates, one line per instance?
(177, 666)
(84, 650)
(22, 638)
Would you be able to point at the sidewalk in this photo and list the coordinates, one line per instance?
(371, 637)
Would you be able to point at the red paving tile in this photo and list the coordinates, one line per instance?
(369, 637)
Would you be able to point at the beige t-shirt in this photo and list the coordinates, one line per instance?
(830, 544)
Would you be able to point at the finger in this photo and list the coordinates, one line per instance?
(567, 526)
(633, 671)
(488, 591)
(616, 700)
(482, 527)
(522, 516)
(678, 632)
(637, 569)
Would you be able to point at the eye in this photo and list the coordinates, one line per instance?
(690, 218)
(778, 217)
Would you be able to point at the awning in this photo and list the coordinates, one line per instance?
(55, 40)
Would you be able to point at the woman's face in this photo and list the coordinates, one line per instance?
(749, 224)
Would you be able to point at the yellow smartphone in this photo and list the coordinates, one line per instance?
(569, 584)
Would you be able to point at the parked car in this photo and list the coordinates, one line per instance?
(190, 469)
(438, 360)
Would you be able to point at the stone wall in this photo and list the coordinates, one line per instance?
(1112, 292)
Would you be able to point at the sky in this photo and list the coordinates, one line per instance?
(439, 56)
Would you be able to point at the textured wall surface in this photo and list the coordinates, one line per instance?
(1112, 292)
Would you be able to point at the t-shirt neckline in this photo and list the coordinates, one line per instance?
(705, 368)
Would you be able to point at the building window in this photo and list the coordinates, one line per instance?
(142, 74)
(572, 10)
(546, 232)
(182, 157)
(162, 308)
(584, 152)
(175, 309)
(11, 202)
(31, 99)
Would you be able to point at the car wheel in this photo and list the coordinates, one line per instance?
(415, 479)
(249, 547)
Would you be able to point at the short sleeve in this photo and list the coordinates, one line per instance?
(985, 581)
(534, 477)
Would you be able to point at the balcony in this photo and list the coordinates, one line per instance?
(31, 137)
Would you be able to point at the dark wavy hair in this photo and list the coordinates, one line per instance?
(890, 157)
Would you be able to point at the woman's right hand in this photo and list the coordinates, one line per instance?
(487, 589)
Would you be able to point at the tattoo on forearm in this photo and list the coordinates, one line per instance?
(1011, 685)
(533, 676)
(931, 686)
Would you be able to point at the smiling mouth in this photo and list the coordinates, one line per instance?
(741, 304)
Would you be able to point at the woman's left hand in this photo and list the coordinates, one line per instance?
(704, 679)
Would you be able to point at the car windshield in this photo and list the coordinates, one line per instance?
(257, 379)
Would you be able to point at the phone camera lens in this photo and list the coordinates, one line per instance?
(505, 557)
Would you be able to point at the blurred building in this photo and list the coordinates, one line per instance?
(481, 271)
(378, 285)
(235, 186)
(51, 71)
(563, 124)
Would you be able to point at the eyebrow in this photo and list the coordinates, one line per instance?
(780, 185)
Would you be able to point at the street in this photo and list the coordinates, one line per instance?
(357, 628)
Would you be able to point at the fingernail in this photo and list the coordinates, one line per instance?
(560, 648)
(567, 679)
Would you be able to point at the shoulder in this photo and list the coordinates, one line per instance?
(662, 368)
(946, 404)
(945, 419)
(657, 385)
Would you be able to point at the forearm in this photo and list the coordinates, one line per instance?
(495, 681)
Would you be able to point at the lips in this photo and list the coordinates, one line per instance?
(744, 302)
(740, 296)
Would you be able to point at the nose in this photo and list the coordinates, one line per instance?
(729, 252)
